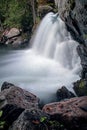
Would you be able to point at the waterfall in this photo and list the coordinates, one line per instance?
(50, 63)
(52, 40)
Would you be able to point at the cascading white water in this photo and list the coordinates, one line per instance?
(52, 40)
(51, 62)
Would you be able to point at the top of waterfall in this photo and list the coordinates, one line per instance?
(55, 16)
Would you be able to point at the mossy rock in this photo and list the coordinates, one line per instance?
(80, 87)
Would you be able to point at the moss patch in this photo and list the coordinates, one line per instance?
(81, 88)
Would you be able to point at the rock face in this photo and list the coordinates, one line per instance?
(82, 51)
(43, 10)
(73, 112)
(74, 13)
(29, 120)
(44, 7)
(64, 93)
(13, 100)
(80, 87)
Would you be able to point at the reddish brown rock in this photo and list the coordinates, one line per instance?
(14, 100)
(17, 96)
(72, 112)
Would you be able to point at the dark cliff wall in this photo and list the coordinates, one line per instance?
(74, 13)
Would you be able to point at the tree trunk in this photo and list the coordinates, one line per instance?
(33, 9)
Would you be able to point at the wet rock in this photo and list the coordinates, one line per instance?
(64, 93)
(6, 85)
(16, 42)
(45, 6)
(29, 120)
(74, 13)
(13, 39)
(80, 87)
(14, 100)
(43, 10)
(72, 112)
(82, 51)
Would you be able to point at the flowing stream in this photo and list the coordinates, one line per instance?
(50, 63)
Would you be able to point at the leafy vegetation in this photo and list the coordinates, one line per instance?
(43, 119)
(50, 124)
(82, 84)
(16, 13)
(2, 123)
(56, 125)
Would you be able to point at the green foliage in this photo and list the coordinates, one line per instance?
(2, 123)
(55, 124)
(81, 89)
(1, 112)
(43, 119)
(16, 13)
(85, 36)
(82, 84)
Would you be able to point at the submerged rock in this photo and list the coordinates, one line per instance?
(14, 100)
(72, 113)
(80, 87)
(64, 93)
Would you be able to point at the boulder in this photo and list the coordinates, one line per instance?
(15, 42)
(72, 112)
(80, 87)
(14, 100)
(64, 93)
(30, 119)
(12, 33)
(13, 38)
(6, 85)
